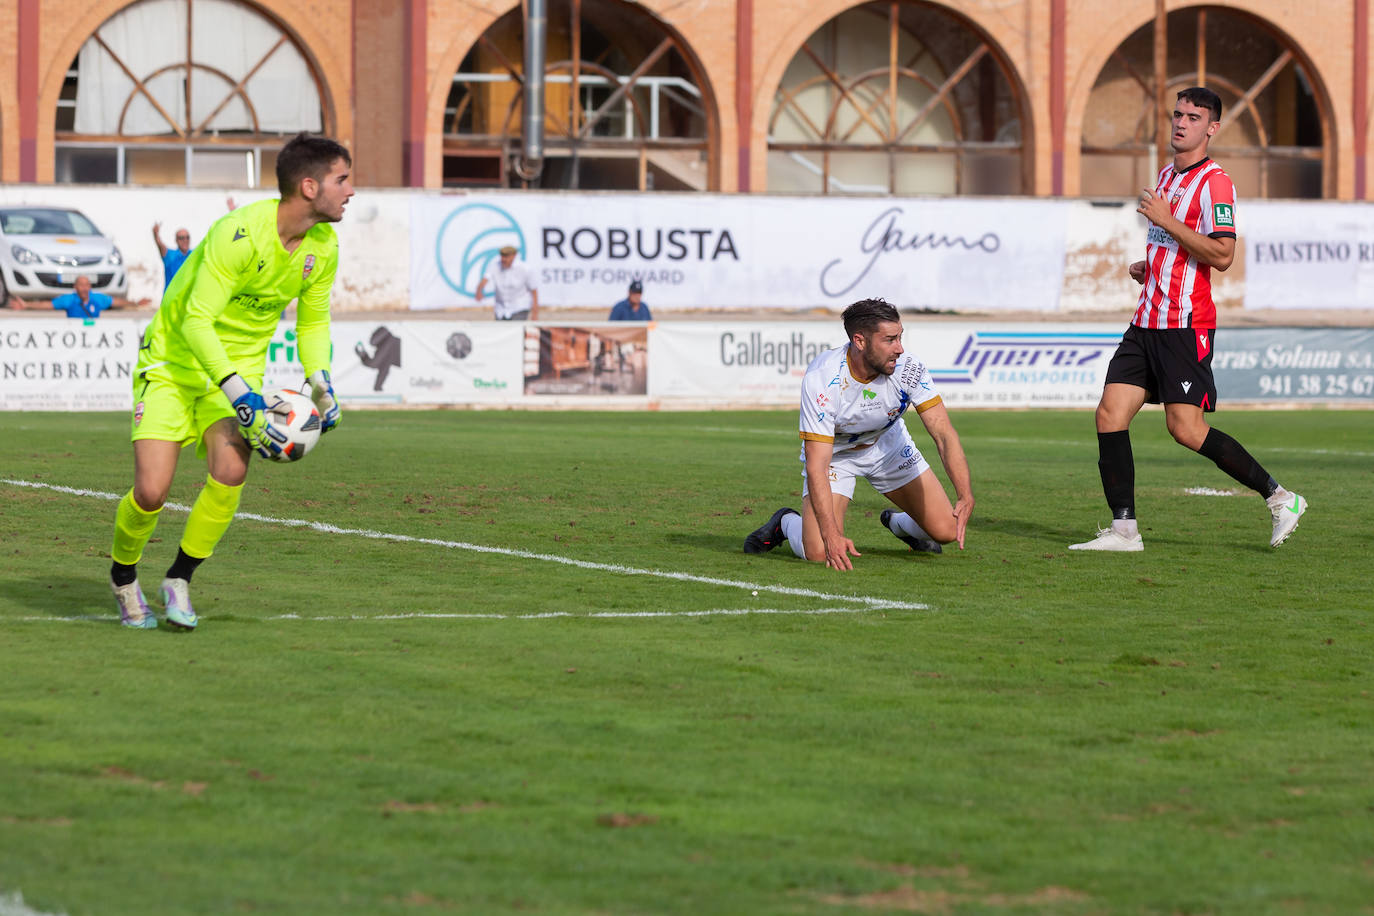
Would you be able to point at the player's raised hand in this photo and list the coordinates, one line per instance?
(251, 409)
(322, 393)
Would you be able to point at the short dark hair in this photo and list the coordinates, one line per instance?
(1203, 97)
(864, 316)
(307, 156)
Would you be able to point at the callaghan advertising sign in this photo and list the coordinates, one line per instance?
(971, 364)
(728, 251)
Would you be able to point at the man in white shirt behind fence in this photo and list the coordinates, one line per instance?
(514, 295)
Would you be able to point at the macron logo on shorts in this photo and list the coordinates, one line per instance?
(1202, 344)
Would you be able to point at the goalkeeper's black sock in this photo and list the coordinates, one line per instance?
(184, 565)
(122, 574)
(1231, 457)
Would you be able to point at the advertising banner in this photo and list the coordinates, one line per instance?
(972, 364)
(1287, 365)
(731, 251)
(607, 360)
(62, 364)
(65, 364)
(1308, 256)
(422, 362)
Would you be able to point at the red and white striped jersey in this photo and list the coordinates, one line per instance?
(1178, 290)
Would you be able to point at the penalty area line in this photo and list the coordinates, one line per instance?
(869, 602)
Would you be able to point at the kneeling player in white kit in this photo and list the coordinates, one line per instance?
(852, 402)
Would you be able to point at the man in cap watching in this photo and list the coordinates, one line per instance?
(632, 307)
(512, 288)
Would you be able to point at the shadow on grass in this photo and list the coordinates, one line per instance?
(82, 600)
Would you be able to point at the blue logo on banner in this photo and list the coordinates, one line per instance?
(1026, 355)
(469, 239)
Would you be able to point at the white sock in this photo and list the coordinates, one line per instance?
(1126, 527)
(792, 530)
(908, 526)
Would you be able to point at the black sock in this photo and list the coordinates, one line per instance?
(1116, 464)
(1231, 457)
(184, 565)
(123, 575)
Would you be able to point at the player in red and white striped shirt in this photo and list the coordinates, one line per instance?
(1165, 356)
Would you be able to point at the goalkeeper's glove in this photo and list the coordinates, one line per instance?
(253, 419)
(322, 393)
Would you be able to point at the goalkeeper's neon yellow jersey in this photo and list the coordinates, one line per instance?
(223, 306)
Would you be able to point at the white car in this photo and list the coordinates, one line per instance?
(44, 249)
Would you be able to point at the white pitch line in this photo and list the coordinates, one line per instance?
(13, 905)
(424, 615)
(326, 528)
(713, 612)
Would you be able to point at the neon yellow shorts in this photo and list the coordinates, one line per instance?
(169, 411)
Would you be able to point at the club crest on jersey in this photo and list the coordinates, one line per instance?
(1178, 195)
(309, 266)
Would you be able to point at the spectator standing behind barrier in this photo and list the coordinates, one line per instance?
(632, 307)
(512, 289)
(172, 258)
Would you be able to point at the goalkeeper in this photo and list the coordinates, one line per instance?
(201, 360)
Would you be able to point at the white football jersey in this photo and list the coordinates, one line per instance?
(835, 408)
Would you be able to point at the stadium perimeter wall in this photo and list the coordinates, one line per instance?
(49, 363)
(409, 251)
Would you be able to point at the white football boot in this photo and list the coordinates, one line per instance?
(1110, 539)
(133, 607)
(176, 599)
(1285, 509)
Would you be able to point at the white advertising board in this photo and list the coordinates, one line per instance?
(1308, 256)
(411, 362)
(979, 365)
(68, 364)
(374, 235)
(737, 251)
(63, 364)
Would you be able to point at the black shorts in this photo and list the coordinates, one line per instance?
(1173, 365)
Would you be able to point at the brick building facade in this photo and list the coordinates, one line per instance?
(1038, 97)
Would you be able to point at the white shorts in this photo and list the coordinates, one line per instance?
(891, 462)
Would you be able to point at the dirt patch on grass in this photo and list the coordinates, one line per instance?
(939, 901)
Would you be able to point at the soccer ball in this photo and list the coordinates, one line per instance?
(294, 415)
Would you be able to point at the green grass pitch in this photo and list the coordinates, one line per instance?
(513, 662)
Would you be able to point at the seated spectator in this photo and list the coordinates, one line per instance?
(632, 307)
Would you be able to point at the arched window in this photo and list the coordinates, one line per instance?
(625, 106)
(200, 92)
(1273, 137)
(897, 98)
